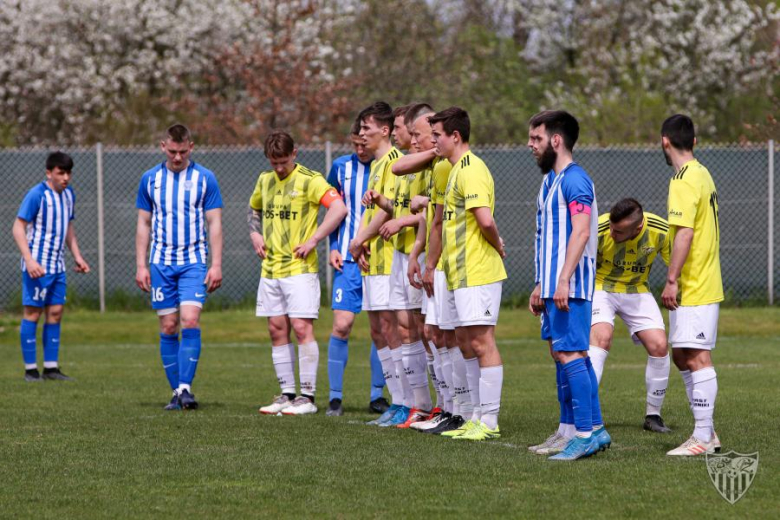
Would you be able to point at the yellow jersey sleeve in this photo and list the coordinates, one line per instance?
(256, 200)
(478, 188)
(317, 188)
(683, 202)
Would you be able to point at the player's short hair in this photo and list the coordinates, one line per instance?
(624, 209)
(278, 144)
(381, 112)
(355, 128)
(680, 131)
(558, 122)
(452, 119)
(59, 160)
(178, 133)
(415, 111)
(402, 110)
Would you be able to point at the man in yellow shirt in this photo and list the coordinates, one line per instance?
(629, 240)
(282, 219)
(694, 277)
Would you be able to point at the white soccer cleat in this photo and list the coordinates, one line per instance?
(302, 405)
(430, 423)
(547, 443)
(556, 446)
(693, 447)
(280, 403)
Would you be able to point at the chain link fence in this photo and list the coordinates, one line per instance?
(742, 175)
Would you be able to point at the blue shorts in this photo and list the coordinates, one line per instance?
(174, 285)
(569, 331)
(47, 290)
(348, 289)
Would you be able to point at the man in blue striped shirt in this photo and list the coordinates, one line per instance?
(176, 200)
(349, 175)
(566, 248)
(41, 230)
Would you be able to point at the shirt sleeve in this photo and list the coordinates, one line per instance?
(538, 236)
(213, 197)
(683, 200)
(333, 177)
(73, 204)
(318, 187)
(477, 188)
(143, 200)
(30, 205)
(577, 187)
(666, 248)
(441, 174)
(256, 200)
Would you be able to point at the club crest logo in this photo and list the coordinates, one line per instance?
(187, 185)
(646, 250)
(293, 194)
(732, 473)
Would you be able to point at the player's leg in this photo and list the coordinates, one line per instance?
(414, 366)
(271, 305)
(191, 296)
(28, 341)
(338, 354)
(656, 376)
(602, 329)
(433, 361)
(165, 302)
(51, 343)
(388, 366)
(388, 325)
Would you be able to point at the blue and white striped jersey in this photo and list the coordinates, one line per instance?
(178, 202)
(48, 215)
(350, 178)
(553, 229)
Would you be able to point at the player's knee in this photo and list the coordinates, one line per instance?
(658, 349)
(679, 358)
(342, 327)
(32, 313)
(54, 314)
(303, 330)
(190, 322)
(169, 327)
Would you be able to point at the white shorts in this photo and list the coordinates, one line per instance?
(444, 303)
(376, 292)
(478, 305)
(402, 295)
(694, 326)
(639, 311)
(295, 296)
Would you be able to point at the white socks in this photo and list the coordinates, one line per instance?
(688, 382)
(566, 431)
(490, 381)
(464, 407)
(705, 390)
(446, 381)
(472, 378)
(283, 358)
(388, 371)
(656, 381)
(415, 363)
(598, 357)
(400, 374)
(434, 370)
(308, 359)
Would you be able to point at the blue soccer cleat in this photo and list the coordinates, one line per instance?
(603, 438)
(187, 401)
(400, 417)
(174, 404)
(386, 416)
(578, 448)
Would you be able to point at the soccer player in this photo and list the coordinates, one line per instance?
(694, 276)
(174, 199)
(629, 240)
(402, 137)
(566, 244)
(41, 231)
(472, 253)
(375, 256)
(282, 217)
(349, 175)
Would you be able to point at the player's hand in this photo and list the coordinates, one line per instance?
(81, 265)
(355, 248)
(303, 250)
(501, 250)
(336, 260)
(669, 296)
(142, 279)
(34, 269)
(535, 303)
(561, 296)
(213, 279)
(258, 244)
(427, 281)
(370, 197)
(419, 203)
(414, 273)
(363, 259)
(389, 228)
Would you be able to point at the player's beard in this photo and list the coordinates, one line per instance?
(666, 156)
(547, 160)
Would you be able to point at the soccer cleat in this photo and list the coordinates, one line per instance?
(453, 423)
(715, 442)
(54, 374)
(479, 432)
(280, 403)
(187, 401)
(556, 446)
(654, 423)
(693, 447)
(459, 431)
(435, 414)
(578, 448)
(431, 423)
(379, 406)
(386, 415)
(334, 408)
(301, 405)
(547, 443)
(174, 404)
(415, 416)
(32, 376)
(603, 438)
(400, 417)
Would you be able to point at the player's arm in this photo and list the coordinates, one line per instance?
(434, 248)
(580, 234)
(413, 162)
(254, 218)
(373, 196)
(337, 211)
(419, 203)
(414, 272)
(367, 231)
(487, 225)
(34, 269)
(214, 275)
(142, 232)
(392, 227)
(535, 303)
(73, 244)
(683, 238)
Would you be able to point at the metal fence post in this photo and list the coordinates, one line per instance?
(770, 265)
(101, 230)
(328, 268)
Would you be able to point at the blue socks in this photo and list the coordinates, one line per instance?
(579, 379)
(564, 395)
(169, 353)
(51, 344)
(27, 334)
(189, 353)
(338, 352)
(377, 375)
(594, 395)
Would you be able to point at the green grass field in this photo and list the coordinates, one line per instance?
(103, 447)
